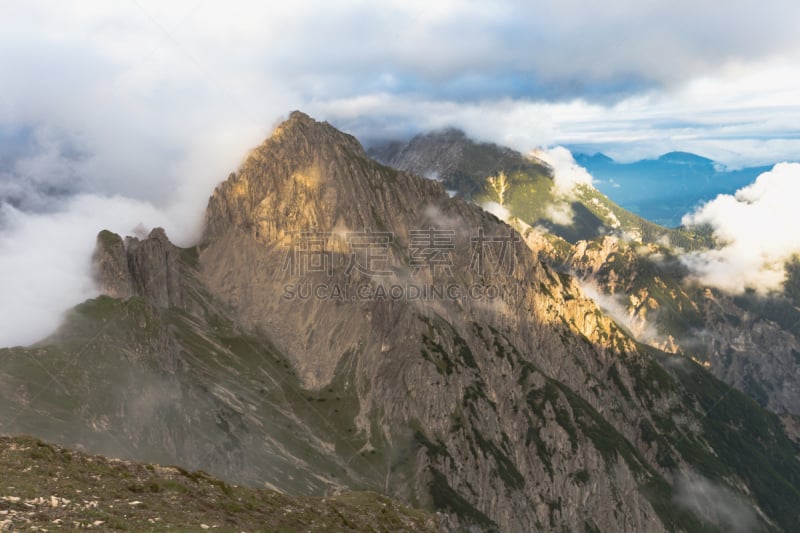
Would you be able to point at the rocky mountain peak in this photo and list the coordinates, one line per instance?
(301, 131)
(309, 179)
(456, 160)
(309, 175)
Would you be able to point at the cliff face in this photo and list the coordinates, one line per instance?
(308, 184)
(148, 268)
(738, 342)
(749, 342)
(294, 348)
(454, 382)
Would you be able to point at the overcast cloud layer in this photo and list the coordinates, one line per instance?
(115, 114)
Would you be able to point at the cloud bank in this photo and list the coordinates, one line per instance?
(45, 259)
(758, 230)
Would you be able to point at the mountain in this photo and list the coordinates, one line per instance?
(666, 188)
(345, 326)
(49, 487)
(749, 341)
(635, 267)
(530, 194)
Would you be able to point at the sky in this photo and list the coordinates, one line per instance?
(126, 114)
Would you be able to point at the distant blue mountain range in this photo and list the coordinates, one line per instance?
(663, 190)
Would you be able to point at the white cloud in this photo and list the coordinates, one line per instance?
(616, 308)
(757, 227)
(45, 259)
(560, 213)
(714, 503)
(566, 172)
(497, 210)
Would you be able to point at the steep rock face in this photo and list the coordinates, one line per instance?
(749, 343)
(740, 346)
(148, 268)
(307, 177)
(111, 271)
(459, 370)
(486, 409)
(752, 353)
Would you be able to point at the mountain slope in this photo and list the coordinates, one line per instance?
(749, 341)
(343, 325)
(634, 264)
(46, 486)
(472, 169)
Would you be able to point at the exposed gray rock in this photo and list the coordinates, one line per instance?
(739, 346)
(111, 271)
(148, 268)
(464, 372)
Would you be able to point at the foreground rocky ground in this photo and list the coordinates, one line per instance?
(48, 488)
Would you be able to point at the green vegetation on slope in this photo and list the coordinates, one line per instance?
(47, 486)
(748, 441)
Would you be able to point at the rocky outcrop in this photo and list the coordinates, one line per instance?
(149, 268)
(110, 261)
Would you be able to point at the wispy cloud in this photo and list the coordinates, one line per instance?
(616, 307)
(714, 503)
(567, 174)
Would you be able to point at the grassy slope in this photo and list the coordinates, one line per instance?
(46, 486)
(593, 214)
(229, 403)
